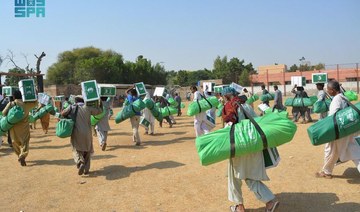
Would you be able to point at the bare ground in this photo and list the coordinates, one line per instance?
(164, 174)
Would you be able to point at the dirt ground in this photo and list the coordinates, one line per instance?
(163, 174)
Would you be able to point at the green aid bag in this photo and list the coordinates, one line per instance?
(252, 99)
(203, 105)
(216, 146)
(14, 116)
(321, 106)
(168, 111)
(282, 113)
(41, 113)
(130, 111)
(341, 124)
(155, 111)
(172, 102)
(219, 110)
(64, 128)
(298, 102)
(95, 119)
(351, 95)
(267, 97)
(313, 99)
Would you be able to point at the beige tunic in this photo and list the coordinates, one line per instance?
(81, 138)
(20, 132)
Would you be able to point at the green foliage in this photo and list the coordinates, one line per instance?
(244, 79)
(13, 80)
(293, 68)
(107, 66)
(231, 71)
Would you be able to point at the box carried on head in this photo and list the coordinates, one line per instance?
(140, 89)
(27, 89)
(90, 92)
(107, 90)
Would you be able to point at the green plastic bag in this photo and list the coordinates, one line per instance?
(324, 131)
(41, 113)
(267, 97)
(202, 105)
(172, 102)
(252, 99)
(64, 128)
(168, 111)
(321, 106)
(351, 95)
(155, 111)
(313, 99)
(15, 115)
(282, 113)
(95, 119)
(298, 102)
(182, 105)
(129, 111)
(215, 146)
(219, 110)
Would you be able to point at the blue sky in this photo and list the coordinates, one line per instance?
(189, 34)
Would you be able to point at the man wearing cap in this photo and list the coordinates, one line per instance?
(199, 119)
(81, 138)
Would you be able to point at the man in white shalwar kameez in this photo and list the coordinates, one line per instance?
(199, 119)
(344, 148)
(149, 116)
(249, 167)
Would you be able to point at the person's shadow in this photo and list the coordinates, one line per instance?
(116, 172)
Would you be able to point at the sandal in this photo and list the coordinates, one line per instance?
(237, 208)
(274, 206)
(323, 175)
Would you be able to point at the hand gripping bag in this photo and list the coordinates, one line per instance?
(65, 127)
(15, 115)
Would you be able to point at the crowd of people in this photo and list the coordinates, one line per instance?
(250, 167)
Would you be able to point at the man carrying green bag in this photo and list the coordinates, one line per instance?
(81, 137)
(342, 145)
(20, 132)
(231, 143)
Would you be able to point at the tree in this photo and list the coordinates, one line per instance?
(244, 79)
(319, 66)
(182, 78)
(230, 71)
(293, 68)
(13, 80)
(91, 63)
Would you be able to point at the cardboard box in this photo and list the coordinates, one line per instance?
(140, 89)
(219, 88)
(59, 98)
(43, 98)
(210, 122)
(9, 90)
(144, 122)
(319, 78)
(238, 88)
(208, 86)
(107, 90)
(298, 80)
(89, 91)
(271, 157)
(27, 89)
(159, 91)
(262, 107)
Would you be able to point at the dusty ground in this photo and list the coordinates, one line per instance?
(164, 174)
